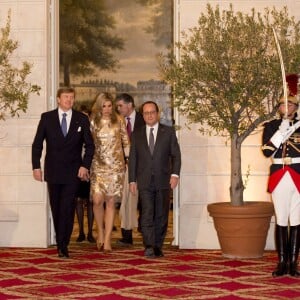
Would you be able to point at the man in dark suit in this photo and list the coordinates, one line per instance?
(66, 132)
(129, 204)
(154, 166)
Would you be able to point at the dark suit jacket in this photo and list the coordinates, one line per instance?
(139, 121)
(63, 154)
(166, 158)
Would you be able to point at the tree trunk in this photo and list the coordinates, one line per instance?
(236, 180)
(66, 74)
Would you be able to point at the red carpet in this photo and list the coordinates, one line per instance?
(126, 274)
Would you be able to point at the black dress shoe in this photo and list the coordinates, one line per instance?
(91, 239)
(63, 253)
(124, 243)
(158, 252)
(60, 253)
(149, 252)
(66, 252)
(80, 238)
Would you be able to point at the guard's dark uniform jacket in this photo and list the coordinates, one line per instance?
(286, 158)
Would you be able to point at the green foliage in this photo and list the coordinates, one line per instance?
(228, 76)
(14, 90)
(161, 21)
(86, 38)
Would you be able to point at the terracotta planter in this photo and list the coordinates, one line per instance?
(242, 230)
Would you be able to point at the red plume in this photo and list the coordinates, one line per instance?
(292, 81)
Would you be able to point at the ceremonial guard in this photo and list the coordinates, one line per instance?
(281, 142)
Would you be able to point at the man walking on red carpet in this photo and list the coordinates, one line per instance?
(66, 132)
(154, 166)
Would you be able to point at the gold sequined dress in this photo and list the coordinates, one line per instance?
(108, 165)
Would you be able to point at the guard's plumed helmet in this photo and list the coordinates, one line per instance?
(292, 82)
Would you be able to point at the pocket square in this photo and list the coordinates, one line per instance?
(79, 129)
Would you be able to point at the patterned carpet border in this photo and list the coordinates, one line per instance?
(126, 274)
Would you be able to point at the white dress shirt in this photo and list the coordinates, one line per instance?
(68, 116)
(155, 126)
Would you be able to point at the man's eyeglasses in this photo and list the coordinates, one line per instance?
(148, 113)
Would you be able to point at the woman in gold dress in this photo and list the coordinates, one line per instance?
(108, 165)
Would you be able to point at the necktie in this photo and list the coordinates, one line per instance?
(151, 140)
(129, 129)
(64, 124)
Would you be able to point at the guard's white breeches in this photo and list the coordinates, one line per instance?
(286, 200)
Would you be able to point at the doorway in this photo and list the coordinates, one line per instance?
(135, 33)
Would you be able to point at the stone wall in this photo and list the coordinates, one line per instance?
(23, 206)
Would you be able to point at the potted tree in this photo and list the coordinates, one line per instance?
(227, 79)
(14, 89)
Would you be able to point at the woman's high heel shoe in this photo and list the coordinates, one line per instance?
(107, 248)
(100, 246)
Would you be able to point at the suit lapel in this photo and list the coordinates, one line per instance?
(144, 139)
(158, 140)
(159, 137)
(56, 122)
(73, 124)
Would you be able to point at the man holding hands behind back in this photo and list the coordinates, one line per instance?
(154, 166)
(65, 131)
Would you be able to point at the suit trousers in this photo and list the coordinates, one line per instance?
(155, 204)
(63, 203)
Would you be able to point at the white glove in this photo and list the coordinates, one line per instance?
(284, 126)
(284, 132)
(277, 138)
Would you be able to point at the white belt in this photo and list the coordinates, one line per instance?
(286, 161)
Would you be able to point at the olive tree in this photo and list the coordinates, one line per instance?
(227, 76)
(14, 89)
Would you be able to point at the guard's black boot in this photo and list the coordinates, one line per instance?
(126, 239)
(281, 240)
(294, 250)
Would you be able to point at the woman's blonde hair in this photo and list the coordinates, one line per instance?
(97, 107)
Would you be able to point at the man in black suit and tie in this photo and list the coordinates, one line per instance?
(129, 204)
(154, 166)
(66, 132)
